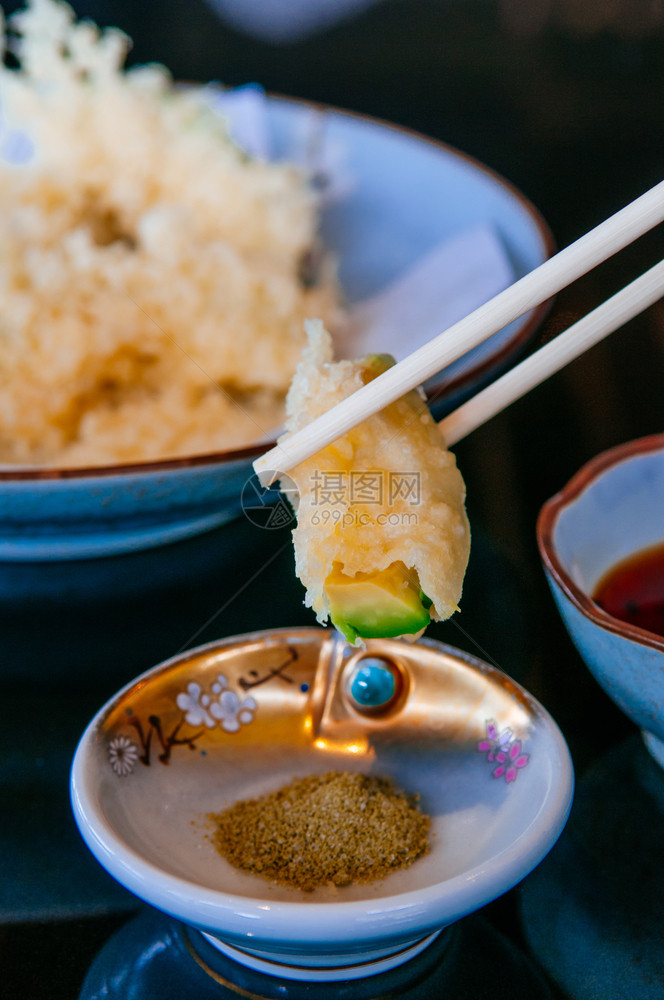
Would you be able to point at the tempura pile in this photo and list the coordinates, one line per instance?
(151, 274)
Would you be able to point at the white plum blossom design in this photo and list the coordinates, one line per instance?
(222, 707)
(231, 712)
(122, 755)
(194, 703)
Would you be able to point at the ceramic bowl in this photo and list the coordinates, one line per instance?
(241, 717)
(404, 195)
(611, 509)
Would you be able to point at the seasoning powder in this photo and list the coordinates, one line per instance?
(334, 828)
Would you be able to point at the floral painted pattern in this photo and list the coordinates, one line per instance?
(502, 749)
(220, 707)
(122, 755)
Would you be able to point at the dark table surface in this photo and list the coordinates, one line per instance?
(569, 110)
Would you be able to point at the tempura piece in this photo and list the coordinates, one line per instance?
(382, 538)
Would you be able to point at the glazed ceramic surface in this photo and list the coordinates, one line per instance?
(241, 717)
(405, 195)
(611, 509)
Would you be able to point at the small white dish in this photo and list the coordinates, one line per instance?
(240, 717)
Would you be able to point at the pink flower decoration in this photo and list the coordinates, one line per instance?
(494, 740)
(517, 759)
(502, 748)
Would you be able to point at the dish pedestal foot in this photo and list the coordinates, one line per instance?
(154, 956)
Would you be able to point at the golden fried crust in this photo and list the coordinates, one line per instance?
(419, 517)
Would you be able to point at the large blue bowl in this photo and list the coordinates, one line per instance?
(408, 194)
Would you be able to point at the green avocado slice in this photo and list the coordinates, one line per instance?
(382, 604)
(376, 364)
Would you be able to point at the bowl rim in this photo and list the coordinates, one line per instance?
(252, 451)
(546, 526)
(364, 919)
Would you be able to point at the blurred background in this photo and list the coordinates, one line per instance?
(565, 99)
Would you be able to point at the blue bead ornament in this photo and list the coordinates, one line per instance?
(373, 683)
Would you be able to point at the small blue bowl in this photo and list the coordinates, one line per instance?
(612, 508)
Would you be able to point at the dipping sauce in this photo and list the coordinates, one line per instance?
(633, 590)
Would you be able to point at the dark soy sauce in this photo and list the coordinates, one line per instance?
(633, 590)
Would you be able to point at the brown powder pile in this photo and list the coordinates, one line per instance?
(333, 828)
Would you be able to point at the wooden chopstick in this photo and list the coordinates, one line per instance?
(582, 335)
(606, 239)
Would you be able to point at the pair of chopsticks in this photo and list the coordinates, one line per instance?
(556, 273)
